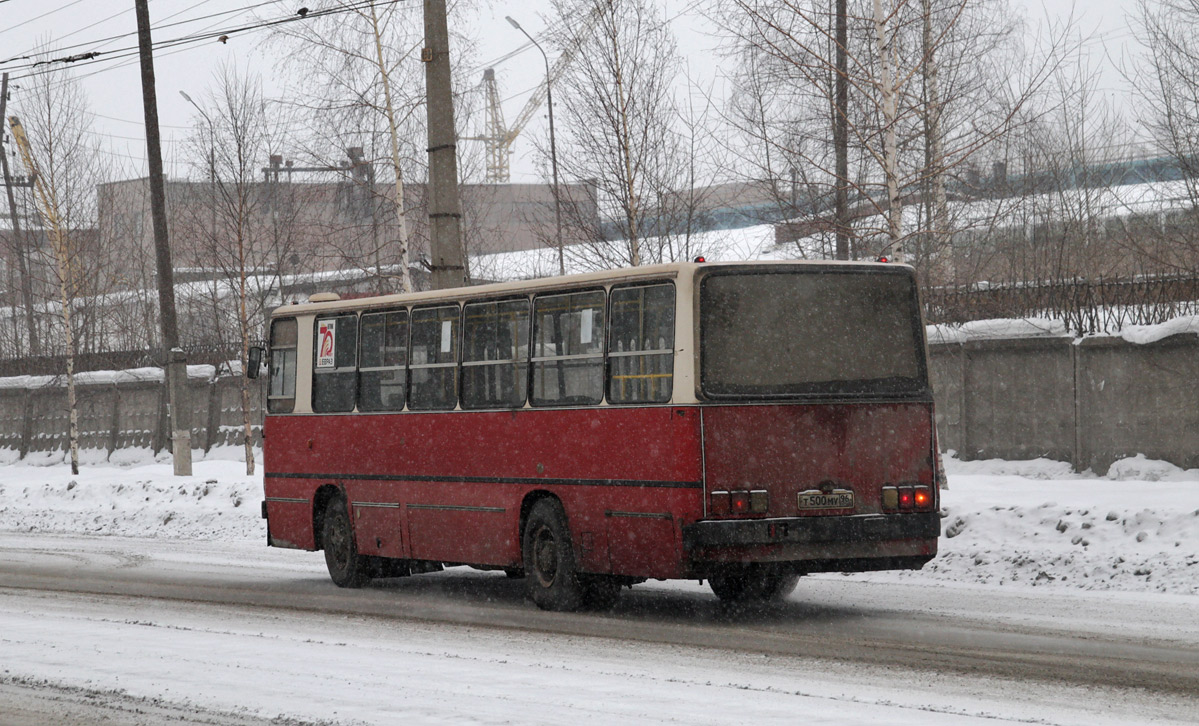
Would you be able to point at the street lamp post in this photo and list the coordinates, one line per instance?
(549, 98)
(211, 159)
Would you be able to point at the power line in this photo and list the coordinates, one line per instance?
(223, 35)
(102, 42)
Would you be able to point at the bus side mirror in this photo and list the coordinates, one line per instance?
(253, 362)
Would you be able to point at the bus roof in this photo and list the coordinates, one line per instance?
(624, 274)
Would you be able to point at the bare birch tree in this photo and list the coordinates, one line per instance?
(57, 151)
(623, 129)
(234, 230)
(1167, 89)
(930, 84)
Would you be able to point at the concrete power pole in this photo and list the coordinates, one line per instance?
(445, 211)
(176, 365)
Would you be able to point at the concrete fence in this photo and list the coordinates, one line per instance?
(1090, 402)
(123, 409)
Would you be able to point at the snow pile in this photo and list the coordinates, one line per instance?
(1023, 523)
(1037, 523)
(143, 498)
(998, 328)
(1145, 334)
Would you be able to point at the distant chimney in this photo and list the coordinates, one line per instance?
(999, 173)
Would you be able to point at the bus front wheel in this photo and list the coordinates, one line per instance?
(551, 579)
(347, 568)
(752, 586)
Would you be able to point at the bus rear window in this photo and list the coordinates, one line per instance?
(822, 331)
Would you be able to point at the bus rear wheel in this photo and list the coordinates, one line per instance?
(752, 585)
(347, 568)
(551, 579)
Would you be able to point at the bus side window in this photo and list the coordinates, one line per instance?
(568, 349)
(433, 369)
(281, 391)
(495, 354)
(334, 360)
(382, 361)
(641, 344)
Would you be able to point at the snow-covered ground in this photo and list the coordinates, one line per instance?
(1023, 524)
(1025, 544)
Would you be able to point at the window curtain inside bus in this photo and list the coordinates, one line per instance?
(334, 361)
(495, 354)
(281, 393)
(568, 349)
(383, 357)
(434, 364)
(641, 344)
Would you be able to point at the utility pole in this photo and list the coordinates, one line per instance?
(176, 364)
(18, 241)
(841, 131)
(445, 212)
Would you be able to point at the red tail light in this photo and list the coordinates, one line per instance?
(907, 498)
(719, 503)
(923, 498)
(739, 502)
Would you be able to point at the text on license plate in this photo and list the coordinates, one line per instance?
(836, 499)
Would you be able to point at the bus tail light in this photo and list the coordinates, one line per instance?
(719, 503)
(907, 498)
(923, 498)
(739, 502)
(890, 499)
(759, 501)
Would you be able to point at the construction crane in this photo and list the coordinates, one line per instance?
(497, 137)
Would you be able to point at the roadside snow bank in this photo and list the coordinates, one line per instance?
(1023, 523)
(141, 498)
(1037, 523)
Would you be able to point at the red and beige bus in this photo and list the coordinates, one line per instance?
(740, 423)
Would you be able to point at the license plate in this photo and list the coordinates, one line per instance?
(815, 499)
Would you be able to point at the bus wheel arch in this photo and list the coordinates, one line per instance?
(320, 504)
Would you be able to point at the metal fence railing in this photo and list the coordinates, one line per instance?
(1084, 306)
(52, 365)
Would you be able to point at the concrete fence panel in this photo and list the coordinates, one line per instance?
(94, 405)
(1019, 401)
(138, 417)
(1138, 399)
(48, 419)
(946, 369)
(14, 419)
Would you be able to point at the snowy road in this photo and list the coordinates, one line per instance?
(117, 630)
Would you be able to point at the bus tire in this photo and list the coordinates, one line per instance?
(551, 580)
(346, 567)
(752, 586)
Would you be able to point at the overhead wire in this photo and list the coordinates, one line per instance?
(198, 37)
(160, 25)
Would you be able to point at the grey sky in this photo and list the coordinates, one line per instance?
(115, 91)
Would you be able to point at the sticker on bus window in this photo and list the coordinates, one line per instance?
(585, 326)
(447, 335)
(326, 340)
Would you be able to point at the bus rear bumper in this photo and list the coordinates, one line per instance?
(859, 528)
